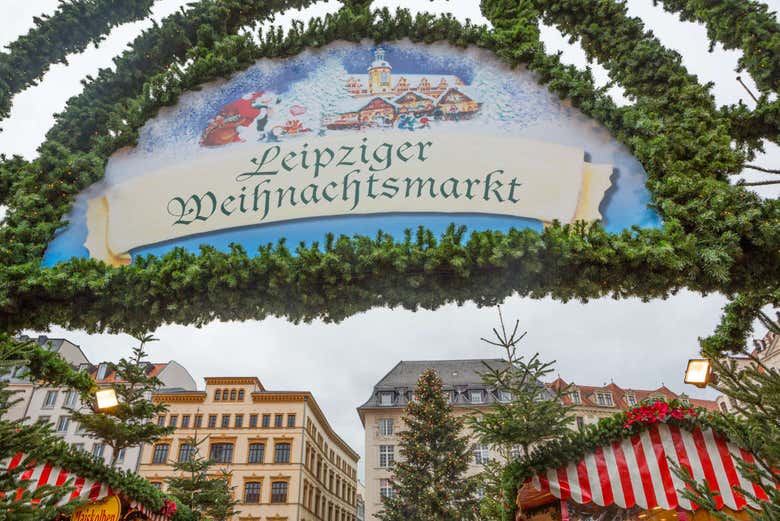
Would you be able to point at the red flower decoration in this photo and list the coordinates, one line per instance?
(656, 413)
(169, 508)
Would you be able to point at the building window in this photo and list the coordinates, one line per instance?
(102, 371)
(291, 420)
(97, 450)
(386, 489)
(44, 419)
(476, 396)
(160, 454)
(212, 421)
(62, 423)
(240, 395)
(120, 456)
(724, 407)
(256, 452)
(173, 420)
(481, 454)
(233, 395)
(221, 452)
(161, 421)
(279, 492)
(282, 453)
(78, 446)
(217, 395)
(504, 396)
(580, 422)
(604, 399)
(186, 451)
(515, 451)
(70, 399)
(50, 400)
(252, 492)
(185, 421)
(386, 455)
(225, 421)
(575, 398)
(278, 420)
(198, 421)
(631, 399)
(266, 420)
(156, 484)
(386, 398)
(253, 420)
(239, 421)
(386, 427)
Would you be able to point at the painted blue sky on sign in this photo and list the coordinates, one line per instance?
(319, 92)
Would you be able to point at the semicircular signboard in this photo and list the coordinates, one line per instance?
(353, 139)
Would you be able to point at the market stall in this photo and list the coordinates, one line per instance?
(100, 501)
(632, 477)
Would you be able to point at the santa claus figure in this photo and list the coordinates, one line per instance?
(224, 128)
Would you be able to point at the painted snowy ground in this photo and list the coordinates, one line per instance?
(512, 104)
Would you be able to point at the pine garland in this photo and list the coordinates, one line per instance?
(716, 237)
(74, 25)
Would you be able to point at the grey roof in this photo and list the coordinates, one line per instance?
(53, 344)
(458, 376)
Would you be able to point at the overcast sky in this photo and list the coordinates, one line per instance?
(634, 344)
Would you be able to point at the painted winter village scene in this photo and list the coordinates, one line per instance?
(407, 102)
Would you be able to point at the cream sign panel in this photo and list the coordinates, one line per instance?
(354, 139)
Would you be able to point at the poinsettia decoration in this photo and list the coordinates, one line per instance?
(169, 508)
(657, 412)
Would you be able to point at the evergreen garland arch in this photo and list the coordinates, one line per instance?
(716, 236)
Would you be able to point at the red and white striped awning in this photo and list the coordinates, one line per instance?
(42, 474)
(637, 471)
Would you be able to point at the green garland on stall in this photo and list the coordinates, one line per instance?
(74, 25)
(716, 237)
(577, 444)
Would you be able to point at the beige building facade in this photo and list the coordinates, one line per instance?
(286, 462)
(382, 414)
(767, 351)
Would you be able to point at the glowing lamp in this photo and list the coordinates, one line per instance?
(106, 399)
(698, 372)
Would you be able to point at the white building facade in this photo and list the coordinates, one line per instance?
(54, 405)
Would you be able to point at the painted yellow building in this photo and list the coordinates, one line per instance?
(285, 460)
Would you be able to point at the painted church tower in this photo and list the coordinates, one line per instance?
(379, 74)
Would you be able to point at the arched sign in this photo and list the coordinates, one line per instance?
(353, 139)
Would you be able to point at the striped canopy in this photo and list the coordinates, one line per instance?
(43, 474)
(638, 471)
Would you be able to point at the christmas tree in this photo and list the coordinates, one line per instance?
(429, 483)
(527, 413)
(754, 389)
(130, 423)
(194, 487)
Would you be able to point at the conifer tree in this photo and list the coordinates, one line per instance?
(528, 413)
(131, 422)
(211, 497)
(429, 483)
(754, 389)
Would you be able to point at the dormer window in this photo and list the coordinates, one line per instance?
(575, 398)
(604, 399)
(102, 371)
(477, 396)
(504, 396)
(631, 399)
(386, 398)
